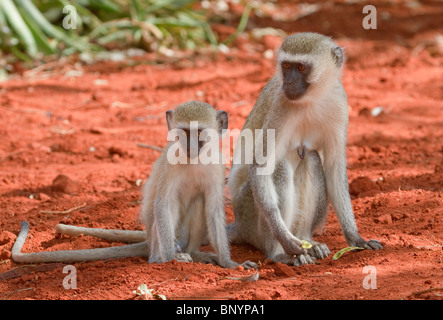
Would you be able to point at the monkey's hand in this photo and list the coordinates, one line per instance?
(292, 245)
(249, 265)
(319, 250)
(369, 245)
(209, 257)
(303, 259)
(183, 257)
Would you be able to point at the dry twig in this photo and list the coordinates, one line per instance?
(7, 294)
(416, 293)
(64, 212)
(142, 145)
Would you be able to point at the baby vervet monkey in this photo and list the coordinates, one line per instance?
(279, 203)
(183, 200)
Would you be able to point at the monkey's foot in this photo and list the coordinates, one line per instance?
(205, 257)
(302, 259)
(319, 250)
(183, 257)
(248, 265)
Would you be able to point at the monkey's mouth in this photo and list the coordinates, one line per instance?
(193, 152)
(292, 96)
(293, 92)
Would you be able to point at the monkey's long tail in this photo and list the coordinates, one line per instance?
(131, 250)
(129, 236)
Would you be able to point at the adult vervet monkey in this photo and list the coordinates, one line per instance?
(183, 202)
(283, 201)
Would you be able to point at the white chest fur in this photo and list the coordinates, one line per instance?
(305, 131)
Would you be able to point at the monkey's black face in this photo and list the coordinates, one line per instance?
(294, 79)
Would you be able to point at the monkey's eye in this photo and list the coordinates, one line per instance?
(286, 65)
(301, 68)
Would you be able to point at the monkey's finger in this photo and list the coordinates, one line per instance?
(249, 265)
(320, 251)
(373, 245)
(303, 259)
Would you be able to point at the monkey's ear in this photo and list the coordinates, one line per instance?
(169, 119)
(222, 119)
(338, 55)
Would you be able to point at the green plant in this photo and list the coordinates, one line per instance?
(151, 24)
(32, 29)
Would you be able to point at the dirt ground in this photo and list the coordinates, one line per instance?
(85, 121)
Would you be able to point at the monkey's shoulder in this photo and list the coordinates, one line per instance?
(264, 104)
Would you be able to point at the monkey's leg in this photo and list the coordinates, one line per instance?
(215, 217)
(318, 250)
(193, 226)
(338, 191)
(312, 206)
(129, 236)
(283, 178)
(132, 250)
(244, 228)
(162, 235)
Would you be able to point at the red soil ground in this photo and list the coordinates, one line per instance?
(86, 126)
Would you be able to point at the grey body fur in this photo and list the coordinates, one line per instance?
(275, 212)
(183, 205)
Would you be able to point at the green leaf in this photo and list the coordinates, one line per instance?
(106, 5)
(19, 26)
(340, 253)
(114, 36)
(47, 27)
(40, 38)
(19, 54)
(241, 25)
(136, 11)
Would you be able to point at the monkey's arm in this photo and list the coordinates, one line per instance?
(162, 245)
(138, 249)
(215, 220)
(216, 223)
(338, 191)
(129, 236)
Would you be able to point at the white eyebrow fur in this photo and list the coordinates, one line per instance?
(285, 56)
